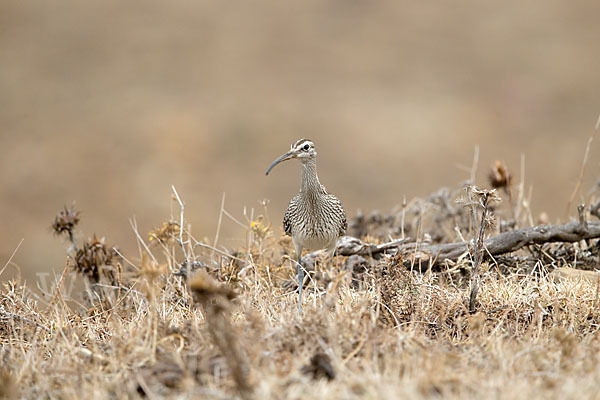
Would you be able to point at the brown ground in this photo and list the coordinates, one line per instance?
(109, 104)
(378, 329)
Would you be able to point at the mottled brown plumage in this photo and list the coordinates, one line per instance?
(314, 218)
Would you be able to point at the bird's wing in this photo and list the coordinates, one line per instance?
(344, 226)
(338, 210)
(287, 218)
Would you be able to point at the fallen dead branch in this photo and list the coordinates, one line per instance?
(503, 243)
(349, 245)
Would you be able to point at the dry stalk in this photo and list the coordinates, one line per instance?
(581, 174)
(58, 294)
(474, 166)
(182, 210)
(518, 208)
(482, 198)
(215, 299)
(11, 256)
(219, 223)
(583, 224)
(151, 274)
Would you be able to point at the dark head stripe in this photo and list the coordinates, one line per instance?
(300, 142)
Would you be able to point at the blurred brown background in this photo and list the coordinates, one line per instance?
(109, 103)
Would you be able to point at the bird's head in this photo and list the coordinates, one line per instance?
(304, 149)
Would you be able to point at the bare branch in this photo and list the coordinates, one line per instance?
(514, 240)
(503, 243)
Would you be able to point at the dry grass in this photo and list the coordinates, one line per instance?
(234, 330)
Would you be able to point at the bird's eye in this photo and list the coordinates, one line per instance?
(306, 146)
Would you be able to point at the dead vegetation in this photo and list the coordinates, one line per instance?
(189, 319)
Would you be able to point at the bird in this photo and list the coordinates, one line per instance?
(315, 219)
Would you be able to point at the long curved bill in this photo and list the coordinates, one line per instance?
(284, 157)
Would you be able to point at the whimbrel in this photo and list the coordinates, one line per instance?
(314, 218)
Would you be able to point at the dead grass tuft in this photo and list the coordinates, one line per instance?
(228, 327)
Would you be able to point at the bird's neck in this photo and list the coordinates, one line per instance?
(310, 180)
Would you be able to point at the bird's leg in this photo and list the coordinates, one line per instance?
(300, 272)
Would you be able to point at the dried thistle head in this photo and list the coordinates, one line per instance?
(91, 259)
(478, 197)
(500, 176)
(491, 222)
(484, 196)
(65, 221)
(167, 233)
